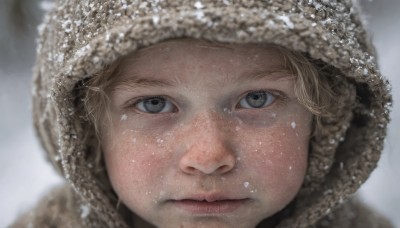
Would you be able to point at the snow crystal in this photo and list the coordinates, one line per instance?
(246, 184)
(198, 5)
(290, 167)
(66, 25)
(199, 14)
(78, 22)
(365, 72)
(85, 211)
(156, 19)
(124, 4)
(96, 59)
(287, 21)
(124, 117)
(60, 57)
(328, 211)
(143, 5)
(293, 124)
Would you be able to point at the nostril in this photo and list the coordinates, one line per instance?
(223, 168)
(190, 169)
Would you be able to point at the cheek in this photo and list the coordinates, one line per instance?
(277, 159)
(134, 163)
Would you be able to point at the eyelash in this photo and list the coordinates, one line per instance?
(278, 97)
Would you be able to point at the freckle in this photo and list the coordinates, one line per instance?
(124, 117)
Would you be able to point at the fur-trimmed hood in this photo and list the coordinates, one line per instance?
(78, 38)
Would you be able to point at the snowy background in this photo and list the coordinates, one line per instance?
(24, 174)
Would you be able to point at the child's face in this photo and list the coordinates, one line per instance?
(205, 135)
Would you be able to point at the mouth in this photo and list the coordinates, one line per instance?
(210, 204)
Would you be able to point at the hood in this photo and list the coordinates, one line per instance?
(78, 38)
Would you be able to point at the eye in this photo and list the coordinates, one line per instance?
(154, 105)
(257, 99)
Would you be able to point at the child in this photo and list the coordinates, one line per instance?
(208, 114)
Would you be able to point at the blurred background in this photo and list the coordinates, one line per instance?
(24, 174)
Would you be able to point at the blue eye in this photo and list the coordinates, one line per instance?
(154, 105)
(257, 99)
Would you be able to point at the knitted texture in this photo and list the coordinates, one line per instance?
(78, 38)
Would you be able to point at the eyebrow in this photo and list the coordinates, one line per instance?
(271, 74)
(143, 81)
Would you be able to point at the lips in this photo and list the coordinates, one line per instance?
(210, 204)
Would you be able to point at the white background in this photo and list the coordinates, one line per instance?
(25, 175)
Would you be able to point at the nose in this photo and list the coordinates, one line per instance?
(209, 152)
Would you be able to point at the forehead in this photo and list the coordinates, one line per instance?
(188, 49)
(187, 59)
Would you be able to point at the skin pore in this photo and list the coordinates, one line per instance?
(205, 135)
